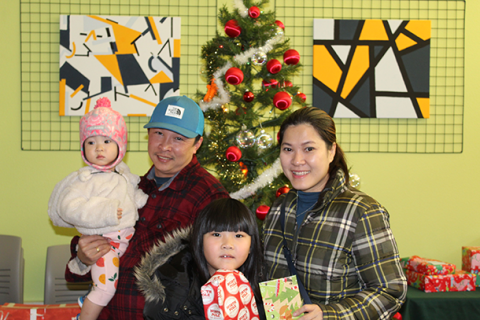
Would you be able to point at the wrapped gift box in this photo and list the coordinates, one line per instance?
(228, 295)
(460, 281)
(471, 259)
(16, 311)
(477, 281)
(429, 266)
(281, 297)
(404, 262)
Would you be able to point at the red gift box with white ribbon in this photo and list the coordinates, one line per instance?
(228, 295)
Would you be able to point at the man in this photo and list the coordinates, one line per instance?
(178, 188)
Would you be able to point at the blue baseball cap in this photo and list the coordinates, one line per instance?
(179, 114)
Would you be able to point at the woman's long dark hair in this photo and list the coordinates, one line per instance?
(228, 214)
(324, 125)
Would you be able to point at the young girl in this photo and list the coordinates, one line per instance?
(224, 236)
(100, 199)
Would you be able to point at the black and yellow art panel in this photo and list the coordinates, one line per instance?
(132, 60)
(372, 68)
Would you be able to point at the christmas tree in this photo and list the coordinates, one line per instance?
(249, 93)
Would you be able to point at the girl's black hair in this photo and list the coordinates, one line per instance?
(228, 214)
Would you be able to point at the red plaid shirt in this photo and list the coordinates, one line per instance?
(172, 207)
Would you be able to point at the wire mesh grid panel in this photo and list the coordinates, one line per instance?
(42, 127)
(443, 131)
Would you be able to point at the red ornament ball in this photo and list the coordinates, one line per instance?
(234, 76)
(291, 56)
(262, 211)
(302, 96)
(269, 83)
(233, 154)
(281, 191)
(288, 83)
(232, 29)
(254, 12)
(280, 24)
(274, 66)
(248, 96)
(282, 100)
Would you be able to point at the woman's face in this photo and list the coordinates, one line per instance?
(305, 158)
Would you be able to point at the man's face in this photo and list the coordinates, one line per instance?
(170, 152)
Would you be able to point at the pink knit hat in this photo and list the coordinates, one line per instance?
(104, 121)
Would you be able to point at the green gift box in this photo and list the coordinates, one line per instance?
(281, 297)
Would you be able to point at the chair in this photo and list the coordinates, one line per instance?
(11, 269)
(57, 289)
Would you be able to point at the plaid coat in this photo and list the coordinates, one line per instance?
(345, 253)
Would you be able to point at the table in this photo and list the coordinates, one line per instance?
(441, 305)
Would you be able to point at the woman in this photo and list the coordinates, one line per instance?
(343, 250)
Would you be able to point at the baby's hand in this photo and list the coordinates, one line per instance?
(119, 213)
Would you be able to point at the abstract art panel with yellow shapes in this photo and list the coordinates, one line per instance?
(372, 68)
(134, 61)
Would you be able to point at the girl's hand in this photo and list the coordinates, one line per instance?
(311, 311)
(119, 213)
(91, 248)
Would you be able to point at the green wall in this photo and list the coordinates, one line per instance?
(430, 197)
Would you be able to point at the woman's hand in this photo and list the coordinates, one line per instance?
(310, 311)
(91, 248)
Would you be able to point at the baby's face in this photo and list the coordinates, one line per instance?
(100, 150)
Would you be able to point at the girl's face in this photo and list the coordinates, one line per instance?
(305, 158)
(100, 150)
(226, 250)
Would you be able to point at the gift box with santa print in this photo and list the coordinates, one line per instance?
(429, 266)
(471, 259)
(477, 277)
(459, 281)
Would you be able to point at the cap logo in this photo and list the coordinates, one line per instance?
(174, 111)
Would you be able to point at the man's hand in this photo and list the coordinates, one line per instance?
(310, 311)
(119, 213)
(91, 248)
